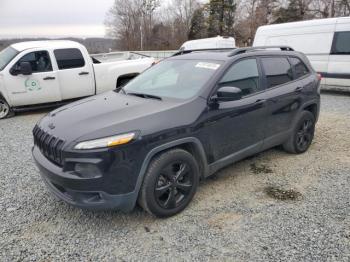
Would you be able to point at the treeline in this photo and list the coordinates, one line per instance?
(93, 45)
(159, 25)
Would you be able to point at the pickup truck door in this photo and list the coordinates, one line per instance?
(75, 73)
(42, 86)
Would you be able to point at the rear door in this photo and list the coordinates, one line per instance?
(42, 86)
(338, 73)
(75, 73)
(284, 95)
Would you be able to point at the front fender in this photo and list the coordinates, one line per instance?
(188, 140)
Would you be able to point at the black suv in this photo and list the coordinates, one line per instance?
(176, 123)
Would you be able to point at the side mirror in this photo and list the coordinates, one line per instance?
(25, 68)
(228, 93)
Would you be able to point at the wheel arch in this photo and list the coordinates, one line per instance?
(4, 95)
(128, 76)
(190, 144)
(312, 107)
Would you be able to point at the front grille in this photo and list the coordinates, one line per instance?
(50, 146)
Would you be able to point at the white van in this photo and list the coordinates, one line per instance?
(326, 42)
(209, 43)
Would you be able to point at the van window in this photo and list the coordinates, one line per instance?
(341, 43)
(40, 61)
(277, 70)
(244, 75)
(299, 67)
(69, 58)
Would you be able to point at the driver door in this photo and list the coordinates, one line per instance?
(236, 128)
(41, 86)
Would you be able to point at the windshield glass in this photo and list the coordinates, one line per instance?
(174, 78)
(6, 56)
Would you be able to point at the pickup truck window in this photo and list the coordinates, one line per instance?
(6, 56)
(40, 61)
(69, 58)
(180, 79)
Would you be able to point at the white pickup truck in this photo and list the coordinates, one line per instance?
(41, 73)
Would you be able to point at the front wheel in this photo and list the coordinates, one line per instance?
(5, 110)
(302, 135)
(170, 183)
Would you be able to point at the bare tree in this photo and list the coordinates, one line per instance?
(151, 24)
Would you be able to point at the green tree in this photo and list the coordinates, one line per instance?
(198, 27)
(296, 10)
(221, 17)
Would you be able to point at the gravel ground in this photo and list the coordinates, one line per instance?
(271, 207)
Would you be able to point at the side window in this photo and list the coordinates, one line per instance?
(341, 43)
(39, 60)
(299, 67)
(69, 58)
(277, 70)
(244, 75)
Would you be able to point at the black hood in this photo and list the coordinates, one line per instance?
(113, 113)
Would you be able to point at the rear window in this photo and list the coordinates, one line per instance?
(341, 43)
(69, 58)
(299, 67)
(277, 70)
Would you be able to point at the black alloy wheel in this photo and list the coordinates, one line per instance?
(170, 183)
(174, 184)
(302, 135)
(305, 135)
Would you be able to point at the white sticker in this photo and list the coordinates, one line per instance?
(211, 66)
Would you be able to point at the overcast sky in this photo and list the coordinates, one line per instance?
(53, 18)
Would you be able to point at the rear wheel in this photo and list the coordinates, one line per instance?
(5, 110)
(303, 134)
(170, 183)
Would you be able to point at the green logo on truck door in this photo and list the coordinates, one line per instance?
(32, 85)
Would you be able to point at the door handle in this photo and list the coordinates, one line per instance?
(83, 73)
(298, 89)
(260, 102)
(49, 78)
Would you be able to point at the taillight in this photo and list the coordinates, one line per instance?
(319, 76)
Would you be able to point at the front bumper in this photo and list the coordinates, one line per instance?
(78, 191)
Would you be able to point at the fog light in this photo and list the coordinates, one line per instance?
(86, 170)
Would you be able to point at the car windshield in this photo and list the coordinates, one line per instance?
(6, 56)
(180, 79)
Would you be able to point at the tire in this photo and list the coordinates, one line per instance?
(302, 135)
(5, 109)
(170, 183)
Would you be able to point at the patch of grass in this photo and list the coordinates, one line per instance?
(261, 169)
(281, 194)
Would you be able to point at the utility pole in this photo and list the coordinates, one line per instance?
(141, 31)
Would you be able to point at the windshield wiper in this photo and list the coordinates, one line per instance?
(145, 95)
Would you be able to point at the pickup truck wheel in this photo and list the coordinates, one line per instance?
(170, 183)
(5, 110)
(302, 135)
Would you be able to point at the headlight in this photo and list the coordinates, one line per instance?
(106, 142)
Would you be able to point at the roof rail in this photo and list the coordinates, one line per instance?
(182, 52)
(250, 49)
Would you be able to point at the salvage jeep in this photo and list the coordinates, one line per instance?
(180, 121)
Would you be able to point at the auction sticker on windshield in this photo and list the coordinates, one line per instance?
(211, 66)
